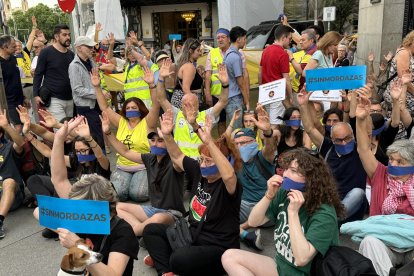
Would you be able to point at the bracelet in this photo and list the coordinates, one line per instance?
(108, 133)
(269, 197)
(153, 86)
(94, 146)
(231, 126)
(140, 45)
(160, 80)
(268, 135)
(225, 86)
(196, 130)
(89, 140)
(290, 60)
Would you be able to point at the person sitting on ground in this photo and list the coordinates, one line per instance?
(11, 155)
(165, 183)
(215, 202)
(330, 118)
(392, 190)
(134, 122)
(121, 246)
(341, 156)
(304, 205)
(256, 170)
(184, 134)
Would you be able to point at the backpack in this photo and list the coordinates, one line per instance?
(342, 261)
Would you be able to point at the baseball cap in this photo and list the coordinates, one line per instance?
(160, 55)
(245, 132)
(84, 40)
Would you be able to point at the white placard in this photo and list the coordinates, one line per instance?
(326, 95)
(329, 13)
(271, 92)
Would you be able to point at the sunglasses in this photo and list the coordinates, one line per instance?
(195, 44)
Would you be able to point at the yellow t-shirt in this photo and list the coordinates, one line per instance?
(300, 57)
(136, 140)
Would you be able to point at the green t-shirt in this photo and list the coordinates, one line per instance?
(320, 229)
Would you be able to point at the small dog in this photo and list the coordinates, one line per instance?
(77, 258)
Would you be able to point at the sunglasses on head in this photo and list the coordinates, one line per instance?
(195, 44)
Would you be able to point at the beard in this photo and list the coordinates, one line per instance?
(66, 43)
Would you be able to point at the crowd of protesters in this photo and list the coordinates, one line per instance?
(303, 167)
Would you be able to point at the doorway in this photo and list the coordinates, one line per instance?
(173, 23)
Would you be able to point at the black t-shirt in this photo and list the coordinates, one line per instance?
(87, 63)
(81, 169)
(165, 184)
(347, 169)
(52, 68)
(12, 83)
(221, 224)
(122, 239)
(10, 162)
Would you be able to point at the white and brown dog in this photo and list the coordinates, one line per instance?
(77, 258)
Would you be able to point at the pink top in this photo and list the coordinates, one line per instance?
(379, 192)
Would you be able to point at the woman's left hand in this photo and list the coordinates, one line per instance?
(205, 132)
(222, 74)
(67, 238)
(83, 129)
(296, 201)
(148, 76)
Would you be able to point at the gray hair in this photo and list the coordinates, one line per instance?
(341, 124)
(310, 33)
(405, 148)
(95, 187)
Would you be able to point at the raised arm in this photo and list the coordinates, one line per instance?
(396, 91)
(223, 99)
(111, 39)
(164, 73)
(98, 28)
(83, 131)
(167, 126)
(18, 140)
(207, 82)
(32, 35)
(364, 143)
(100, 98)
(226, 170)
(118, 146)
(57, 162)
(263, 123)
(230, 127)
(308, 125)
(152, 117)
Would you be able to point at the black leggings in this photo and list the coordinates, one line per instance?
(41, 185)
(192, 260)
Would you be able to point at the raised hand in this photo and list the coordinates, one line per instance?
(34, 21)
(83, 129)
(371, 56)
(26, 125)
(48, 119)
(222, 74)
(382, 66)
(3, 119)
(98, 27)
(396, 90)
(74, 123)
(205, 132)
(236, 115)
(105, 122)
(165, 68)
(128, 43)
(23, 113)
(303, 96)
(95, 79)
(296, 201)
(111, 38)
(191, 112)
(166, 123)
(388, 56)
(133, 37)
(148, 76)
(363, 107)
(263, 121)
(407, 77)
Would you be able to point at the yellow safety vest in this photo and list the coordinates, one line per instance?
(215, 59)
(187, 141)
(134, 85)
(24, 63)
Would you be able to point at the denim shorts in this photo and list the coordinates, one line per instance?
(150, 211)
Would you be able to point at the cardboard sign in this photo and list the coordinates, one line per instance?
(326, 96)
(78, 216)
(174, 36)
(271, 92)
(348, 77)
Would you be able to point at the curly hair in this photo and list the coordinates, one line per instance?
(227, 148)
(408, 40)
(320, 183)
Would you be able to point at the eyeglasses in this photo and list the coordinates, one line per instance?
(242, 143)
(345, 140)
(208, 162)
(82, 151)
(195, 44)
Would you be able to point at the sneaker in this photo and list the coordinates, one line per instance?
(142, 243)
(149, 261)
(49, 234)
(2, 232)
(254, 240)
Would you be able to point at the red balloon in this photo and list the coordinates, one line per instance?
(67, 5)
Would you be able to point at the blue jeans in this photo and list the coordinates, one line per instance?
(129, 185)
(235, 102)
(353, 201)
